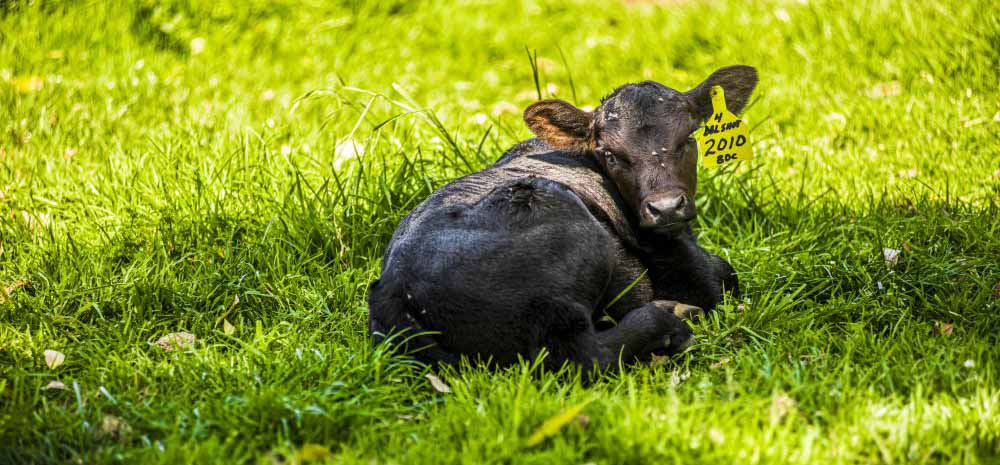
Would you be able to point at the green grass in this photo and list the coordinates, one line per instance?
(145, 187)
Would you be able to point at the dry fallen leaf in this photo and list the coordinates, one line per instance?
(173, 341)
(945, 329)
(722, 361)
(8, 290)
(54, 358)
(55, 386)
(658, 360)
(439, 386)
(996, 290)
(781, 406)
(555, 423)
(113, 427)
(891, 256)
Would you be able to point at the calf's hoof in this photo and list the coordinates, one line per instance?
(688, 312)
(679, 336)
(682, 311)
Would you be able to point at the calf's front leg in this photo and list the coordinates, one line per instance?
(658, 325)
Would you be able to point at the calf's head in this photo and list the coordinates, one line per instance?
(641, 135)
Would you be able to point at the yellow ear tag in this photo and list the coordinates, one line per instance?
(725, 138)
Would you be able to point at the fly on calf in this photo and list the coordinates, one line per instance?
(531, 253)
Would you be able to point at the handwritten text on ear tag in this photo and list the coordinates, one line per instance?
(725, 138)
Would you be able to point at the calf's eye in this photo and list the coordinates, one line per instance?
(610, 159)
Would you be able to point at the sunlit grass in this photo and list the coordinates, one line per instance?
(173, 166)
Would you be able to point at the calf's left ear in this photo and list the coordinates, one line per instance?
(560, 124)
(737, 82)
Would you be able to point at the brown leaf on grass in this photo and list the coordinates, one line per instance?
(944, 329)
(112, 427)
(439, 386)
(174, 341)
(582, 420)
(55, 386)
(722, 361)
(891, 256)
(781, 407)
(9, 289)
(54, 358)
(996, 290)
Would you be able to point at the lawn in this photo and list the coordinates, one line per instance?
(234, 170)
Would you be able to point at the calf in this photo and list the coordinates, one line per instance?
(531, 253)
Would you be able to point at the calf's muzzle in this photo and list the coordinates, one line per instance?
(666, 210)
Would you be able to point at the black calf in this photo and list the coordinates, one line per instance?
(529, 254)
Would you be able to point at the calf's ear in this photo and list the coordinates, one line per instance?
(560, 124)
(737, 82)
